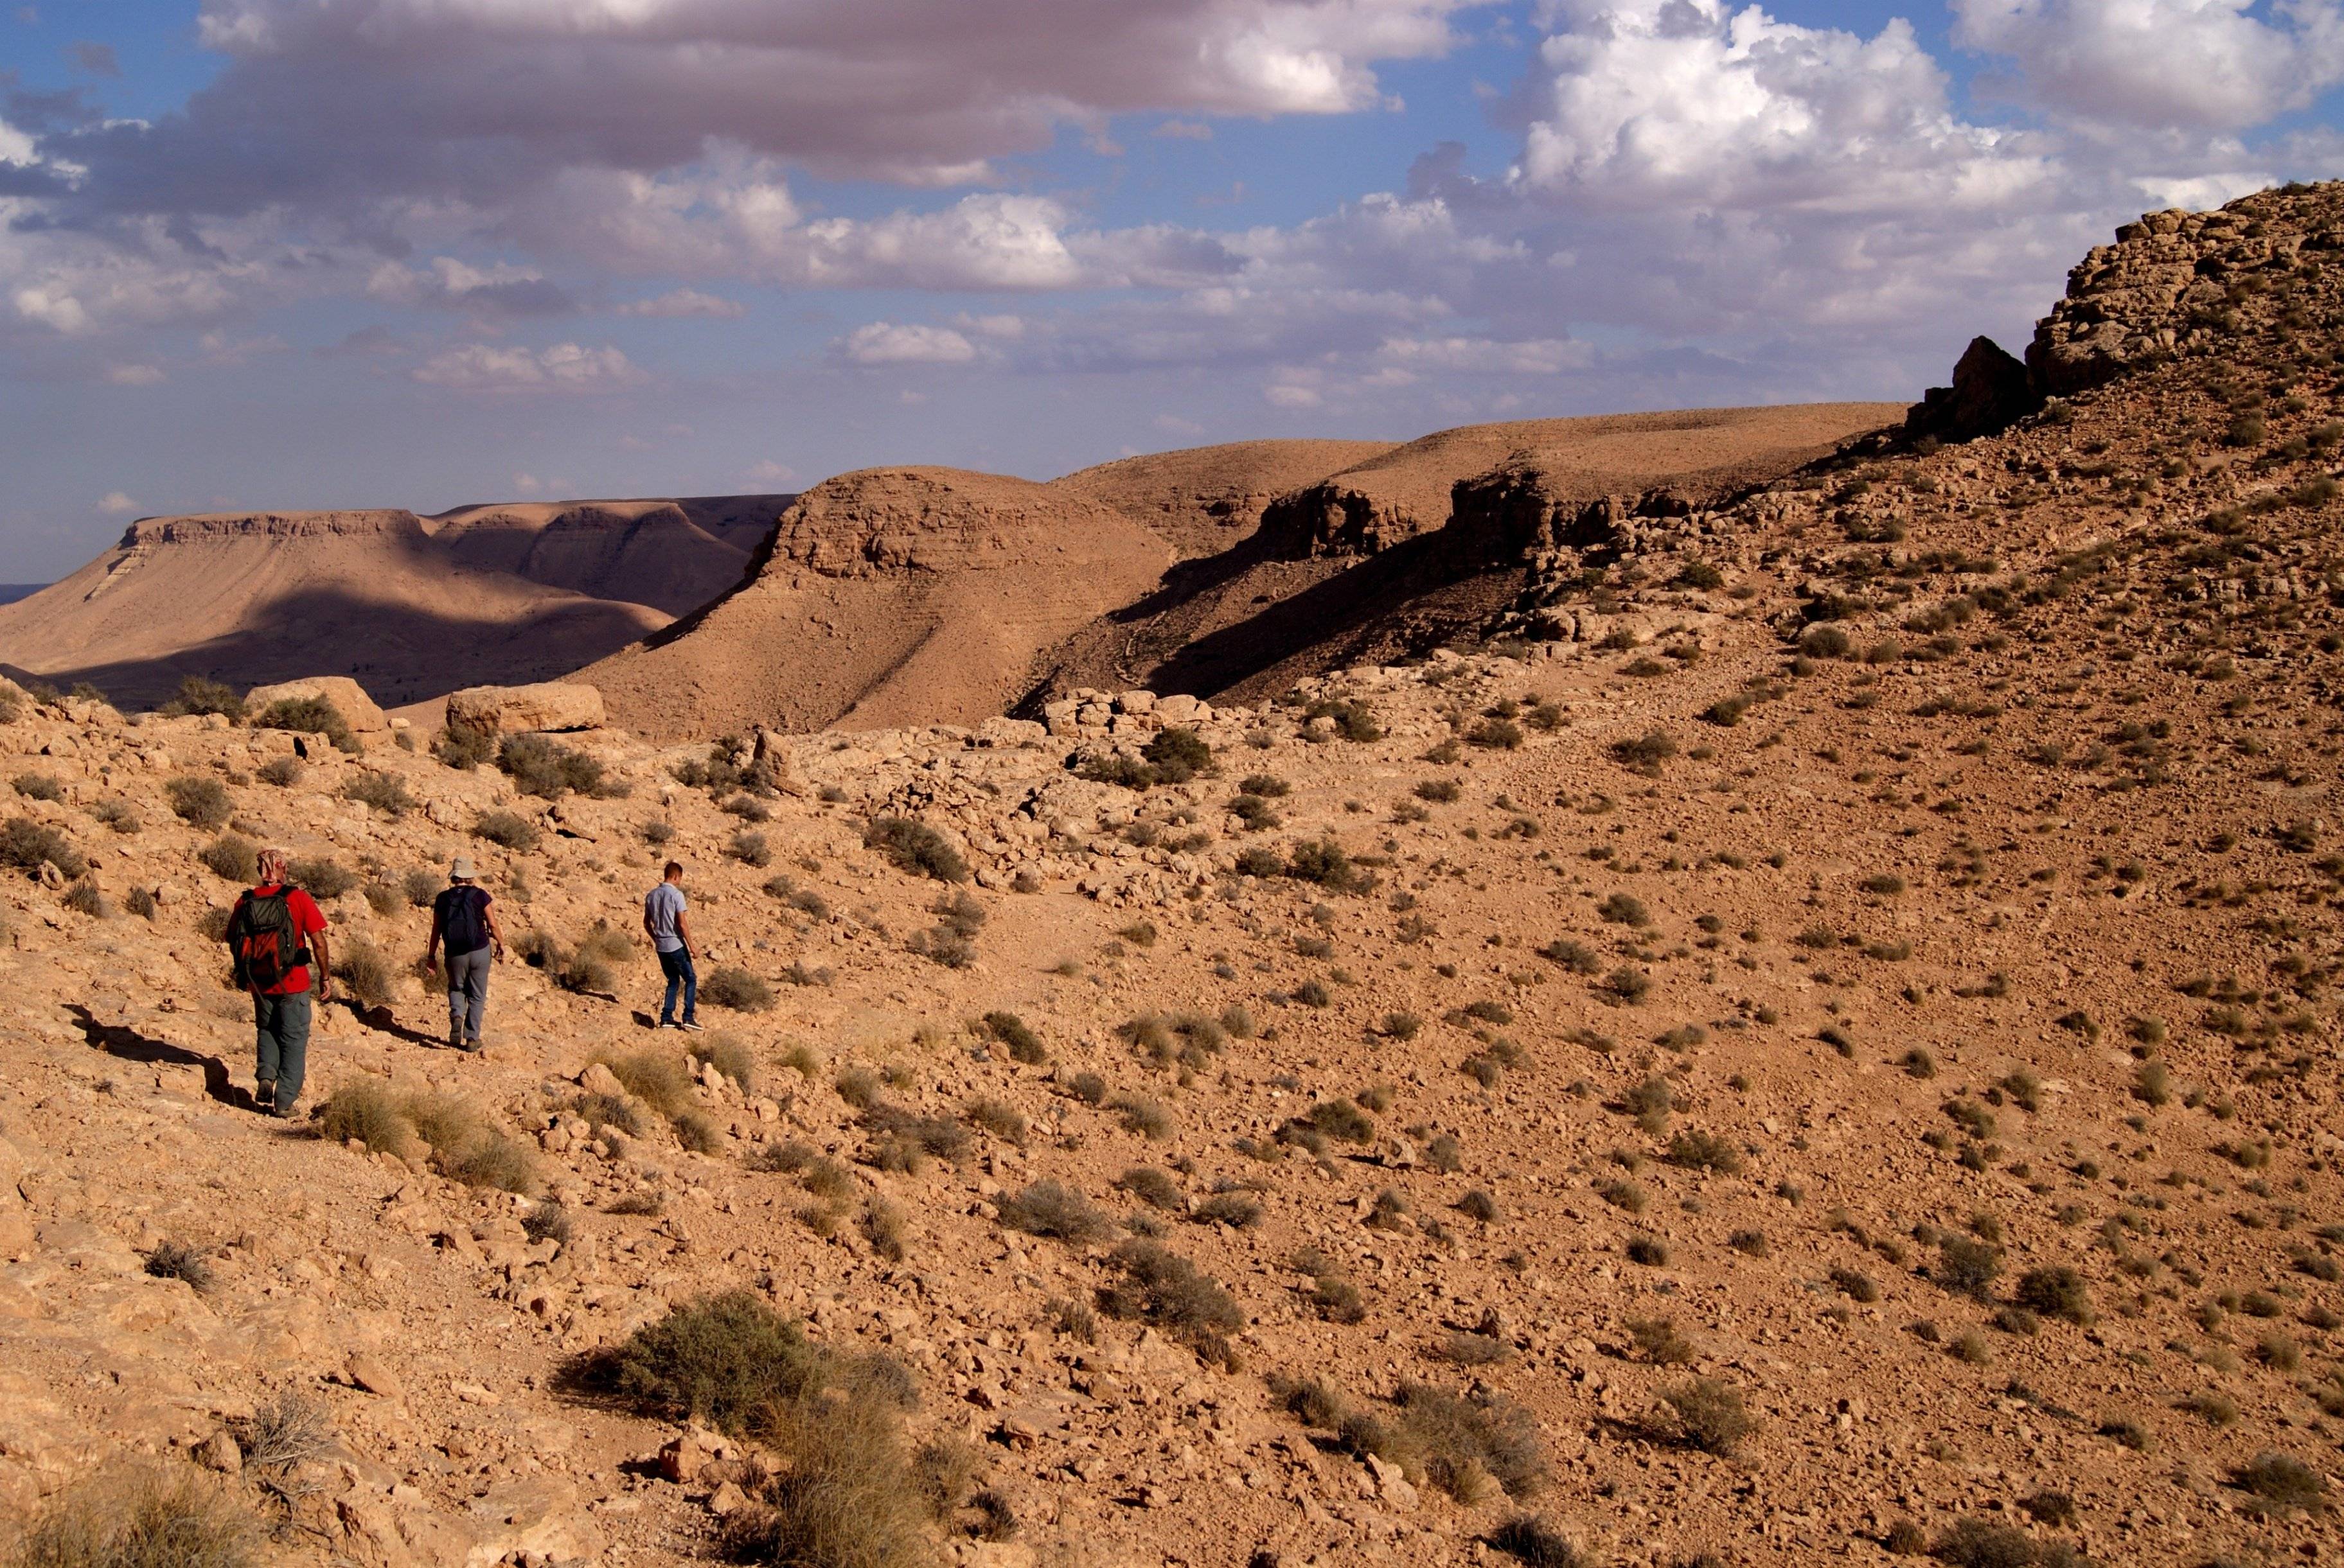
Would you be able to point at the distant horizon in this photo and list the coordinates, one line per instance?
(780, 244)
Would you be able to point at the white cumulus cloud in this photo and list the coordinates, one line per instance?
(885, 343)
(563, 367)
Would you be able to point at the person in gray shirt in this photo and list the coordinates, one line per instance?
(668, 923)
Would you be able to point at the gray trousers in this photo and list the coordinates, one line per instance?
(468, 990)
(281, 1027)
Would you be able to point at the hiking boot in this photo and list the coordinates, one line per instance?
(282, 1113)
(470, 1045)
(456, 1036)
(264, 1095)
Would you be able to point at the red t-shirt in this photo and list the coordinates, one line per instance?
(308, 919)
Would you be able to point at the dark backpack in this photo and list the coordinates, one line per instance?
(463, 924)
(261, 940)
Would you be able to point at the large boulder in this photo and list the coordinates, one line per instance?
(1990, 390)
(349, 698)
(504, 709)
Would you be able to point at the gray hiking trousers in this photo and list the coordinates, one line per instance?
(468, 992)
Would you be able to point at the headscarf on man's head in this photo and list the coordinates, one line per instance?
(272, 867)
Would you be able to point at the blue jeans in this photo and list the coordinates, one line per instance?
(677, 967)
(281, 1025)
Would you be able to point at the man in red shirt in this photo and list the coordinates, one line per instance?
(274, 935)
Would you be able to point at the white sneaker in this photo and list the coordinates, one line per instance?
(688, 1026)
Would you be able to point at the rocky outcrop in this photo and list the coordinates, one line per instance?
(358, 710)
(1333, 519)
(1990, 391)
(548, 705)
(933, 521)
(2177, 283)
(207, 527)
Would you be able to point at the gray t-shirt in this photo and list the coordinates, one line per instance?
(662, 905)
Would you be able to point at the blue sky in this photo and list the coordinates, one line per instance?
(310, 252)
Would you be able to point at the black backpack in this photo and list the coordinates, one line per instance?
(261, 940)
(461, 926)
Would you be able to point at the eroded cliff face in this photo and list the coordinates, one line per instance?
(220, 527)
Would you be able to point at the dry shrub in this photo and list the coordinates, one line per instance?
(373, 1112)
(916, 848)
(722, 1359)
(848, 1495)
(25, 844)
(142, 1515)
(732, 986)
(1048, 1208)
(1472, 1446)
(84, 897)
(463, 1143)
(1538, 1544)
(308, 716)
(386, 792)
(1011, 1030)
(1705, 1151)
(539, 765)
(199, 801)
(507, 830)
(1657, 1341)
(1166, 1290)
(292, 1427)
(2281, 1483)
(1147, 1117)
(1709, 1415)
(1003, 1121)
(847, 1492)
(232, 856)
(177, 1260)
(2056, 1293)
(1153, 1187)
(1236, 1209)
(365, 973)
(728, 1055)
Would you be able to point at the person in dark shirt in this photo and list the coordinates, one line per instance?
(464, 922)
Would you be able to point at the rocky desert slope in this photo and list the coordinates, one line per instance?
(1811, 1040)
(412, 607)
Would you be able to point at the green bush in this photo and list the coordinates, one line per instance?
(1177, 755)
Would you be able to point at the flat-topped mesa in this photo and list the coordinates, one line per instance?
(887, 521)
(213, 528)
(2183, 284)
